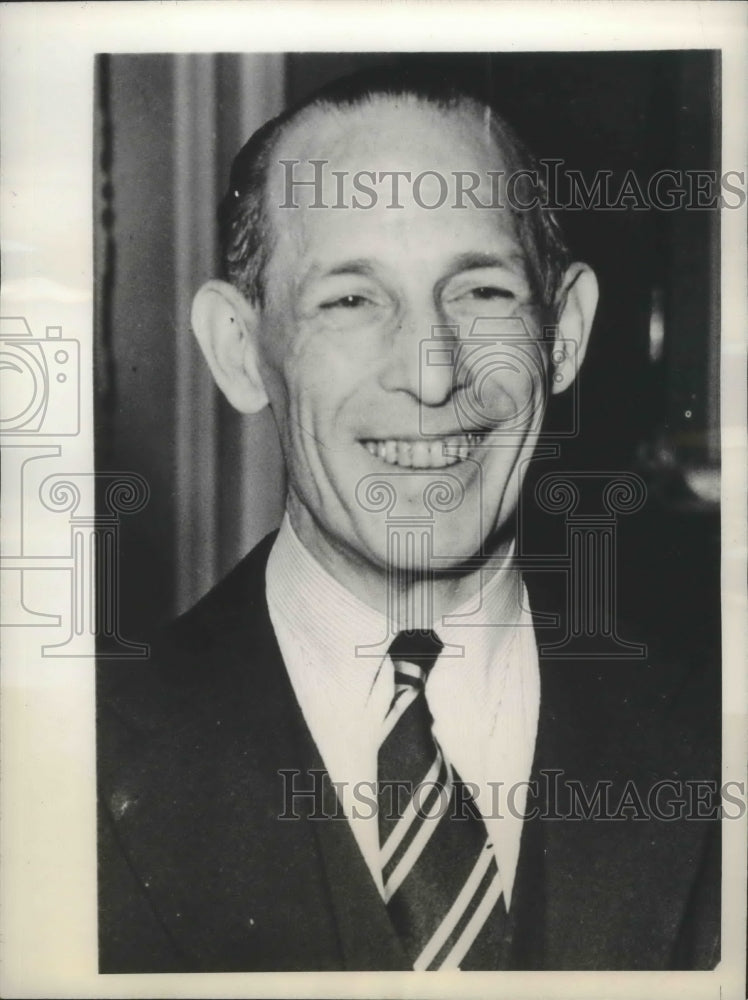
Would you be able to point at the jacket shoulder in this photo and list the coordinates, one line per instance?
(198, 653)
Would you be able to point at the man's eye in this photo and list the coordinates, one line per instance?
(346, 302)
(488, 292)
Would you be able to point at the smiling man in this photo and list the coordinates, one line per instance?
(331, 335)
(331, 763)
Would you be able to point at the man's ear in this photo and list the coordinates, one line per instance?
(226, 326)
(577, 301)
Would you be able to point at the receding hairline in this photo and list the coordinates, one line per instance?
(459, 105)
(545, 250)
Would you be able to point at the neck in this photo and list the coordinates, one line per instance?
(411, 599)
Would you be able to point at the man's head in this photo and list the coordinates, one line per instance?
(395, 326)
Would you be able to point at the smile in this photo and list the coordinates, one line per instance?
(434, 454)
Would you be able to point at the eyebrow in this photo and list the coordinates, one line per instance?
(360, 266)
(472, 261)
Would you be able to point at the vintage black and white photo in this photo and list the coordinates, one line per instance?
(373, 439)
(465, 700)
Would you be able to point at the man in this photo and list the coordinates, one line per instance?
(345, 757)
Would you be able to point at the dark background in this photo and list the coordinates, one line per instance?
(615, 110)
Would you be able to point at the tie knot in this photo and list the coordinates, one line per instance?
(419, 646)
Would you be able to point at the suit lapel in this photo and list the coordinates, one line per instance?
(597, 893)
(365, 934)
(216, 878)
(235, 886)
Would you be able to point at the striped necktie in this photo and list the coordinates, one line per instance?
(441, 881)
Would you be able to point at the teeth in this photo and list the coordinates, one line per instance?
(405, 453)
(421, 454)
(435, 454)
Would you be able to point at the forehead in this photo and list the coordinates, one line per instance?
(374, 130)
(386, 134)
(371, 141)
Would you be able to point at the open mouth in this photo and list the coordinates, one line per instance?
(420, 454)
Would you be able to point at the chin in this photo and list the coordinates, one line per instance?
(419, 546)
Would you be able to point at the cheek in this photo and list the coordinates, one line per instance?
(503, 384)
(326, 366)
(310, 380)
(526, 377)
(289, 364)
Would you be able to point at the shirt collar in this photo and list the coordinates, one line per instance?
(339, 625)
(332, 621)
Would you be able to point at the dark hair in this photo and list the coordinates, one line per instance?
(245, 230)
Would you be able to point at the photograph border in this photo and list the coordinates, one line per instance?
(47, 114)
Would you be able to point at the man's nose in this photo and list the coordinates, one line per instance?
(422, 359)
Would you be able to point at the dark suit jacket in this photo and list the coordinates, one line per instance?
(197, 873)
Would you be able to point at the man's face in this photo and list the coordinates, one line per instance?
(386, 344)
